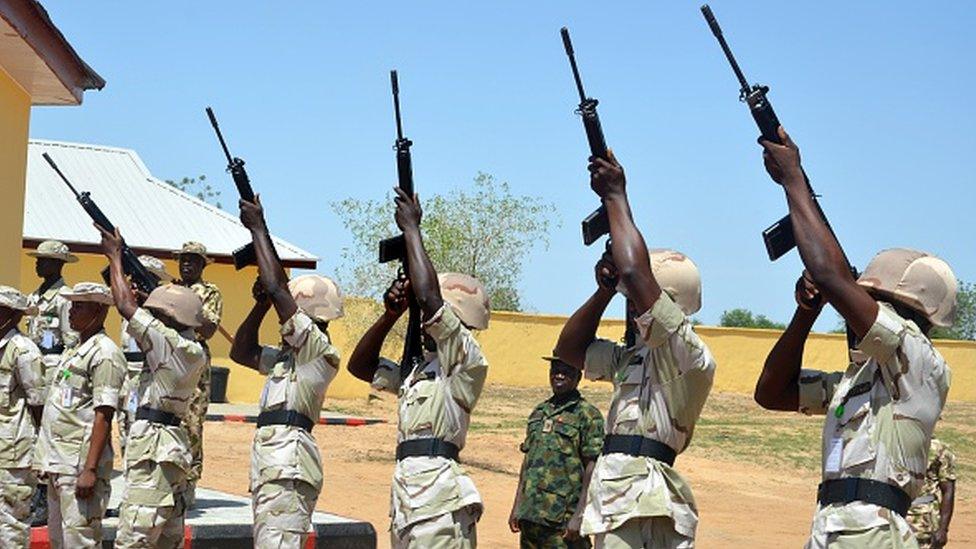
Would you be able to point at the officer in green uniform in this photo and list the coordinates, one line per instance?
(563, 438)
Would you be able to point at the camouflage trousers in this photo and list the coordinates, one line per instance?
(924, 520)
(74, 522)
(16, 488)
(283, 513)
(656, 532)
(152, 510)
(533, 535)
(195, 415)
(455, 530)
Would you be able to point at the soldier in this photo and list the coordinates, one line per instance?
(50, 330)
(563, 439)
(434, 502)
(932, 510)
(636, 498)
(134, 357)
(74, 448)
(21, 402)
(881, 410)
(193, 259)
(157, 454)
(286, 468)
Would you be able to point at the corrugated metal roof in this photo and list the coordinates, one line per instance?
(151, 214)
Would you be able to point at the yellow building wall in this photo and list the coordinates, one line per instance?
(15, 106)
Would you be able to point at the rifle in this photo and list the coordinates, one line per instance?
(142, 277)
(395, 248)
(779, 237)
(245, 255)
(597, 223)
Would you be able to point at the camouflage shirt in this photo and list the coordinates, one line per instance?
(50, 327)
(562, 436)
(298, 376)
(21, 385)
(659, 389)
(880, 414)
(213, 303)
(89, 376)
(924, 515)
(436, 400)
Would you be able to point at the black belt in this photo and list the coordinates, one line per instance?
(56, 350)
(157, 416)
(847, 490)
(136, 356)
(636, 445)
(285, 417)
(431, 447)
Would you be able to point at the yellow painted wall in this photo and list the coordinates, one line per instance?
(15, 106)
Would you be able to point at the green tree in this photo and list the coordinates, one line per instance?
(482, 230)
(744, 318)
(198, 187)
(965, 325)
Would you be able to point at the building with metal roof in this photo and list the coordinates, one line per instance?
(154, 217)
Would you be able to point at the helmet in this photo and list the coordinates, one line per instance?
(319, 296)
(678, 276)
(178, 302)
(467, 297)
(915, 279)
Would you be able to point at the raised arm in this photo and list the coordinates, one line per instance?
(821, 253)
(778, 385)
(270, 271)
(125, 300)
(420, 271)
(366, 356)
(627, 245)
(246, 348)
(580, 330)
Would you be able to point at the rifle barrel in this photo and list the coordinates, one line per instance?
(717, 31)
(394, 83)
(568, 44)
(220, 136)
(63, 178)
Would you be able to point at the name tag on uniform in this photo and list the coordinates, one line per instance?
(67, 396)
(47, 339)
(133, 347)
(835, 449)
(133, 404)
(547, 426)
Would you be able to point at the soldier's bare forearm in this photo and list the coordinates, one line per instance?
(99, 437)
(272, 274)
(948, 489)
(365, 358)
(580, 329)
(423, 276)
(246, 349)
(125, 302)
(630, 255)
(778, 385)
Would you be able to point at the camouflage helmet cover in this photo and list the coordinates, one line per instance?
(915, 279)
(179, 303)
(319, 296)
(467, 297)
(678, 276)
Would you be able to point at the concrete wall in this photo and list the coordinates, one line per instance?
(15, 106)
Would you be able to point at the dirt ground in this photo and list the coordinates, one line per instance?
(752, 472)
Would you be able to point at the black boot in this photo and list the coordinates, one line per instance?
(38, 515)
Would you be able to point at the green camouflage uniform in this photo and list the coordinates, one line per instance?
(286, 468)
(924, 515)
(213, 307)
(434, 502)
(50, 328)
(563, 435)
(89, 376)
(21, 385)
(659, 389)
(157, 456)
(881, 434)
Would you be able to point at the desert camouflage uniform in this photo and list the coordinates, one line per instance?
(213, 307)
(286, 468)
(434, 502)
(129, 394)
(50, 328)
(659, 389)
(89, 376)
(881, 434)
(924, 515)
(21, 385)
(562, 436)
(157, 456)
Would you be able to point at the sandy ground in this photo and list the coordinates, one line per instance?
(742, 504)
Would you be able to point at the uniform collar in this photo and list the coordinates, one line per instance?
(7, 337)
(53, 291)
(86, 347)
(561, 400)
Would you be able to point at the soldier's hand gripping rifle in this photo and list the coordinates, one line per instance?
(142, 277)
(245, 255)
(779, 238)
(597, 223)
(395, 248)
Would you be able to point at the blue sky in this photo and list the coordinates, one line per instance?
(877, 94)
